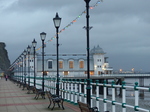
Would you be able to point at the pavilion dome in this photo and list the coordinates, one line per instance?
(97, 50)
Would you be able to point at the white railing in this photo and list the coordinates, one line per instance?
(75, 89)
(109, 75)
(68, 89)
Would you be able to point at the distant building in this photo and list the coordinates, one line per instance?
(73, 64)
(69, 64)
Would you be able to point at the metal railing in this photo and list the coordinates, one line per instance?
(75, 89)
(110, 75)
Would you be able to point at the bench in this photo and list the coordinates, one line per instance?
(39, 92)
(86, 108)
(24, 86)
(21, 84)
(18, 82)
(55, 99)
(31, 88)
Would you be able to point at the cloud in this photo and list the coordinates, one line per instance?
(120, 27)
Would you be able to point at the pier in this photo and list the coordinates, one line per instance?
(73, 89)
(14, 99)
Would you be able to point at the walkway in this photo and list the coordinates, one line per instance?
(14, 99)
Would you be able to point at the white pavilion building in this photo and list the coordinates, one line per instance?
(73, 64)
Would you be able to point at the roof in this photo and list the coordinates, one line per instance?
(64, 56)
(97, 50)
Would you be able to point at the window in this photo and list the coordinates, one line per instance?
(61, 64)
(98, 60)
(98, 66)
(81, 64)
(99, 72)
(66, 72)
(91, 72)
(71, 64)
(50, 64)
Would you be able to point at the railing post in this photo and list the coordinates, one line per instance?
(136, 96)
(62, 88)
(51, 89)
(75, 93)
(71, 92)
(91, 92)
(54, 86)
(65, 89)
(113, 96)
(97, 94)
(46, 82)
(59, 89)
(80, 98)
(85, 91)
(50, 84)
(105, 96)
(68, 86)
(123, 97)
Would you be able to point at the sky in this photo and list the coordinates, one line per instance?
(120, 27)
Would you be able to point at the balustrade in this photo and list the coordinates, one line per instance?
(72, 90)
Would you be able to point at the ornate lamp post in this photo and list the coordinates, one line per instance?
(24, 53)
(18, 70)
(57, 21)
(28, 49)
(43, 36)
(88, 57)
(21, 58)
(34, 45)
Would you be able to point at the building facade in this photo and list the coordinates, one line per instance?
(74, 64)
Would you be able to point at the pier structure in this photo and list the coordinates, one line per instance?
(14, 99)
(104, 94)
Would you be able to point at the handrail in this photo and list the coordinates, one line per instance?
(70, 89)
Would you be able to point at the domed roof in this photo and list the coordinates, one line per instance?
(97, 50)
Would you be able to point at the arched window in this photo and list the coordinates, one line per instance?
(61, 64)
(81, 63)
(71, 64)
(50, 64)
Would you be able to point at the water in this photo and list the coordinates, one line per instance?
(131, 81)
(130, 96)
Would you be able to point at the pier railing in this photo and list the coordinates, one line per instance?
(75, 89)
(111, 75)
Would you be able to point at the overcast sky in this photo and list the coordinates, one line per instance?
(120, 27)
